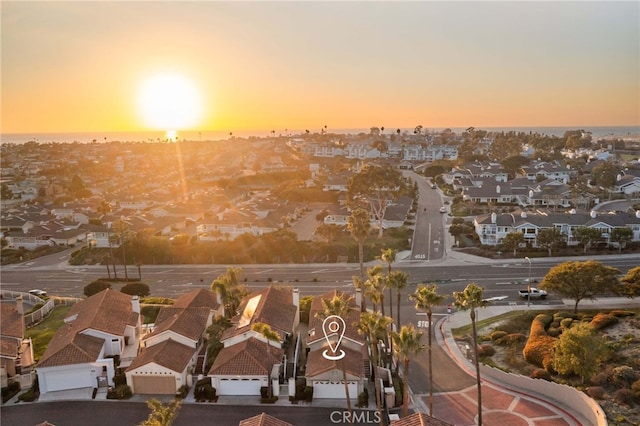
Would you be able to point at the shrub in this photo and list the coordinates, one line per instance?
(596, 392)
(119, 392)
(10, 391)
(554, 331)
(183, 391)
(623, 396)
(203, 390)
(621, 314)
(363, 398)
(486, 350)
(624, 375)
(600, 379)
(96, 287)
(540, 346)
(136, 289)
(540, 373)
(270, 400)
(497, 335)
(513, 338)
(119, 380)
(602, 320)
(566, 323)
(264, 392)
(635, 388)
(308, 393)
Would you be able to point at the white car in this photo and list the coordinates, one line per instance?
(38, 292)
(443, 209)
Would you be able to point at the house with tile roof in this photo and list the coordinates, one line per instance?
(170, 351)
(419, 419)
(327, 376)
(263, 420)
(248, 361)
(96, 330)
(16, 352)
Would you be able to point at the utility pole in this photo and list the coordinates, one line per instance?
(529, 282)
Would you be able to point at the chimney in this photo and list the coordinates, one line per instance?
(497, 189)
(19, 305)
(135, 304)
(494, 217)
(358, 298)
(296, 297)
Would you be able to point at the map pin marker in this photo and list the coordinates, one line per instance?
(332, 326)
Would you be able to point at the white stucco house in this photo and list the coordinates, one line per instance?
(81, 353)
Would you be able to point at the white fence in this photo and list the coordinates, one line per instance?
(47, 305)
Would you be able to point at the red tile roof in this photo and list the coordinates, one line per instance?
(353, 363)
(68, 347)
(315, 323)
(188, 322)
(263, 420)
(275, 309)
(247, 358)
(169, 354)
(420, 419)
(12, 322)
(201, 298)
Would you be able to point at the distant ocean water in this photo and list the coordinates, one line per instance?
(89, 137)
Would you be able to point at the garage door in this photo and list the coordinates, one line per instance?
(239, 387)
(69, 380)
(334, 390)
(159, 385)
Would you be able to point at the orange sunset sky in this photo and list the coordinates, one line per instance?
(83, 66)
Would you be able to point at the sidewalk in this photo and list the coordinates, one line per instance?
(501, 405)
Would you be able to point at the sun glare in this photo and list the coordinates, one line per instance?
(169, 102)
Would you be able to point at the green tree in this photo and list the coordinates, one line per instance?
(376, 188)
(161, 414)
(512, 241)
(512, 165)
(329, 232)
(621, 236)
(388, 256)
(605, 175)
(359, 226)
(579, 350)
(470, 299)
(550, 238)
(214, 333)
(587, 236)
(426, 297)
(136, 289)
(231, 292)
(121, 228)
(581, 280)
(398, 280)
(270, 335)
(406, 344)
(631, 283)
(95, 287)
(374, 327)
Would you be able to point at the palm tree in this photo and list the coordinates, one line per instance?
(122, 230)
(389, 256)
(270, 335)
(340, 306)
(399, 281)
(406, 343)
(139, 266)
(362, 286)
(105, 260)
(231, 292)
(374, 327)
(377, 283)
(359, 226)
(426, 297)
(470, 299)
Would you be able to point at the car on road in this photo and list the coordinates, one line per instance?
(38, 292)
(443, 209)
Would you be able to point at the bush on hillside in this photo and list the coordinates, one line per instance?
(96, 287)
(540, 346)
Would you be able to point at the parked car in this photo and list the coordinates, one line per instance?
(443, 209)
(38, 292)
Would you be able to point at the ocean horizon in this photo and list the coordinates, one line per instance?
(159, 136)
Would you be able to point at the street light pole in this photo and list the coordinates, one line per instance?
(529, 282)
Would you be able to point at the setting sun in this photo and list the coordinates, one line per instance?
(169, 102)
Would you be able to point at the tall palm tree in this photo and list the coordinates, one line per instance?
(361, 285)
(340, 306)
(374, 327)
(426, 297)
(377, 284)
(359, 226)
(470, 299)
(406, 344)
(389, 256)
(400, 280)
(230, 290)
(270, 335)
(122, 230)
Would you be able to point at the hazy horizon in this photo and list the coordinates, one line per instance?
(70, 67)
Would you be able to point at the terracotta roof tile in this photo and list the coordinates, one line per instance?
(188, 322)
(9, 347)
(275, 308)
(351, 331)
(169, 354)
(263, 420)
(108, 311)
(420, 419)
(247, 358)
(197, 299)
(67, 348)
(353, 362)
(12, 321)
